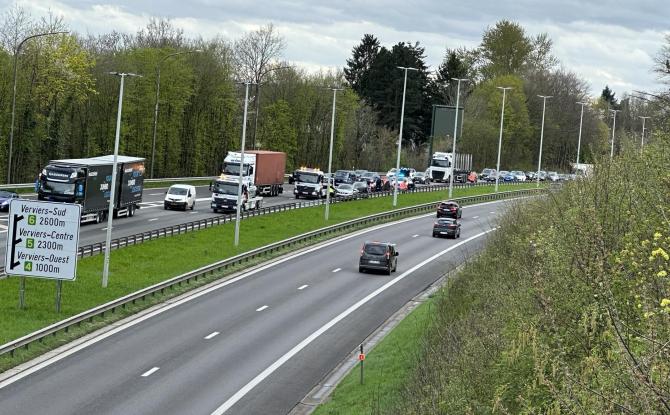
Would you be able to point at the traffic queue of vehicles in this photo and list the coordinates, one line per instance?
(490, 175)
(383, 256)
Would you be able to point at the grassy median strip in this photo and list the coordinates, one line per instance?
(137, 267)
(385, 369)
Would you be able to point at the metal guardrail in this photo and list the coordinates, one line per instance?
(245, 257)
(138, 238)
(168, 179)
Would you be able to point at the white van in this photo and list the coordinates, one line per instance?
(180, 196)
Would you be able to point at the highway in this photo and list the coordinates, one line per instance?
(255, 344)
(150, 216)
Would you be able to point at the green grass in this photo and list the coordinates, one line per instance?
(385, 369)
(137, 267)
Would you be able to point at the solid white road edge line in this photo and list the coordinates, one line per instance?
(302, 287)
(211, 335)
(150, 372)
(295, 350)
(62, 355)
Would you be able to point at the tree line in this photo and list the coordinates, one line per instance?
(66, 99)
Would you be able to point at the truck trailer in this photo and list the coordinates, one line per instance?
(88, 182)
(263, 170)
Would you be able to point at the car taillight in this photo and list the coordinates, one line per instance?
(362, 250)
(436, 223)
(388, 255)
(453, 209)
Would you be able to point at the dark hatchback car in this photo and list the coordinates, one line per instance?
(344, 176)
(378, 256)
(5, 198)
(449, 210)
(448, 227)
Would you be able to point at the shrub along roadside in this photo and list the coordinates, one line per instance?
(137, 267)
(567, 310)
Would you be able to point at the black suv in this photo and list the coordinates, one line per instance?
(378, 256)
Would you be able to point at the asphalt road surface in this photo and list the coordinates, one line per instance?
(255, 344)
(150, 216)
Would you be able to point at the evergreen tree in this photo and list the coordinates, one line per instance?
(609, 96)
(358, 67)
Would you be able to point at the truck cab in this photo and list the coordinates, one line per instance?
(440, 167)
(310, 183)
(224, 194)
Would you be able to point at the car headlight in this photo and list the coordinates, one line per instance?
(295, 190)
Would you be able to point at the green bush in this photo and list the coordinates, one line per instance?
(566, 311)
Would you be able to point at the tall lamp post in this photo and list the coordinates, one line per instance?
(110, 209)
(402, 116)
(453, 148)
(613, 129)
(643, 122)
(11, 128)
(158, 89)
(579, 140)
(330, 151)
(502, 117)
(539, 158)
(239, 186)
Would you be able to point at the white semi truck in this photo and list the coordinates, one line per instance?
(262, 169)
(441, 167)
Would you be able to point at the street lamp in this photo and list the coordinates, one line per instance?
(539, 159)
(643, 121)
(453, 148)
(11, 128)
(258, 101)
(330, 151)
(502, 117)
(110, 209)
(239, 186)
(579, 140)
(613, 129)
(158, 88)
(402, 115)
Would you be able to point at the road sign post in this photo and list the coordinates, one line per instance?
(59, 285)
(22, 292)
(42, 242)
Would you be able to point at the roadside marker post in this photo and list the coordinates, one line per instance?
(361, 358)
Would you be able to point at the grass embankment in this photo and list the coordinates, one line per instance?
(567, 311)
(385, 369)
(140, 266)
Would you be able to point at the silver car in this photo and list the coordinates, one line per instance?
(345, 189)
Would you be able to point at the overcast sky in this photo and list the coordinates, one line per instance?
(609, 42)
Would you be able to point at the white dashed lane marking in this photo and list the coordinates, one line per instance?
(262, 308)
(150, 372)
(211, 335)
(337, 270)
(302, 287)
(414, 236)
